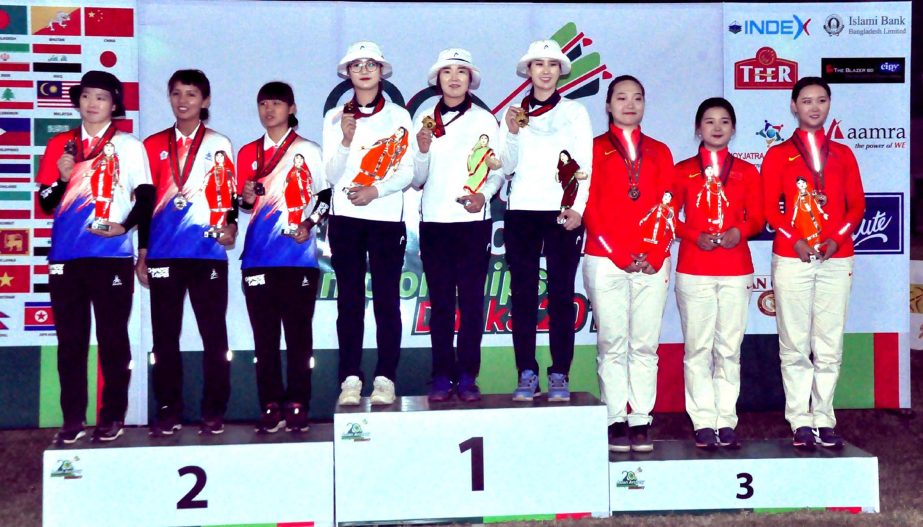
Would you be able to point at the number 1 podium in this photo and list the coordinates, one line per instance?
(415, 461)
(185, 480)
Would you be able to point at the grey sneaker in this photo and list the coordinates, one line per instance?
(528, 387)
(557, 388)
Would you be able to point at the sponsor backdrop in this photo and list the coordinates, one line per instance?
(750, 53)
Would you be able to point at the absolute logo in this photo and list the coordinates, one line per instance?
(877, 25)
(869, 138)
(766, 71)
(863, 70)
(793, 27)
(881, 230)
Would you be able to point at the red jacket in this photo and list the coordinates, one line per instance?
(845, 205)
(611, 217)
(744, 194)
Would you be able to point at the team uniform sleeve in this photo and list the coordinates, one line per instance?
(665, 175)
(855, 203)
(582, 153)
(244, 166)
(403, 175)
(772, 191)
(139, 175)
(752, 224)
(51, 188)
(319, 184)
(334, 153)
(681, 197)
(508, 147)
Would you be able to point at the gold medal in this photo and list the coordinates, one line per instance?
(522, 119)
(429, 123)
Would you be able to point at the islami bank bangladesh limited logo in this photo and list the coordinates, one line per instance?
(67, 469)
(354, 432)
(629, 480)
(834, 25)
(766, 71)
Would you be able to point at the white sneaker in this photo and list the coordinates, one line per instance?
(383, 392)
(351, 389)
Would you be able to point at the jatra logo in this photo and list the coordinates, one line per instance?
(67, 469)
(772, 133)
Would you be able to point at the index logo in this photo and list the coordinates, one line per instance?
(790, 27)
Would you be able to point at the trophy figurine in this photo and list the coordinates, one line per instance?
(219, 188)
(481, 161)
(657, 226)
(715, 202)
(809, 216)
(298, 184)
(104, 177)
(379, 160)
(567, 175)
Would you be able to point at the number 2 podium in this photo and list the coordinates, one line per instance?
(415, 461)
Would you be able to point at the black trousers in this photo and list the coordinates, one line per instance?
(455, 258)
(282, 297)
(207, 284)
(528, 235)
(107, 284)
(351, 240)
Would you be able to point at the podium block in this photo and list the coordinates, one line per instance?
(762, 475)
(414, 461)
(234, 478)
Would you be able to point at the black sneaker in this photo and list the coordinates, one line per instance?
(804, 438)
(106, 432)
(270, 420)
(167, 425)
(706, 439)
(618, 437)
(211, 426)
(638, 437)
(828, 438)
(69, 435)
(727, 438)
(296, 418)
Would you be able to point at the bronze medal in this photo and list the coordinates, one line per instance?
(429, 123)
(522, 119)
(634, 193)
(821, 198)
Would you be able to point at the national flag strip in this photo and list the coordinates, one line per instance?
(54, 94)
(15, 205)
(57, 49)
(14, 56)
(14, 278)
(38, 316)
(15, 242)
(15, 131)
(109, 21)
(15, 168)
(55, 21)
(41, 239)
(13, 20)
(57, 64)
(16, 94)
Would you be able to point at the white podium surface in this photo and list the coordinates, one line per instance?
(765, 475)
(189, 480)
(497, 459)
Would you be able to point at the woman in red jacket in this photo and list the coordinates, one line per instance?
(722, 199)
(629, 220)
(812, 260)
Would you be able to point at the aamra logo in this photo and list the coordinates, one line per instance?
(869, 137)
(765, 71)
(583, 80)
(67, 469)
(772, 133)
(354, 432)
(629, 480)
(881, 230)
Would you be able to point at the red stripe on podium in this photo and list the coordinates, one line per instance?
(887, 370)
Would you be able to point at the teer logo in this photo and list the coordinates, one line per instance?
(765, 71)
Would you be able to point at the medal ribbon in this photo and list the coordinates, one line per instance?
(725, 171)
(181, 173)
(439, 129)
(820, 162)
(78, 142)
(544, 108)
(263, 171)
(353, 106)
(633, 167)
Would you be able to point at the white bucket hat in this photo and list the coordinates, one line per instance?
(363, 49)
(455, 57)
(543, 49)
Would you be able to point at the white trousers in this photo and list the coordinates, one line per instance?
(811, 303)
(628, 310)
(713, 311)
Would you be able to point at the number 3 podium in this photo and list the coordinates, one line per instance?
(417, 462)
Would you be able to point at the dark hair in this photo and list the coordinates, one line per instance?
(617, 80)
(804, 82)
(193, 78)
(280, 91)
(715, 102)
